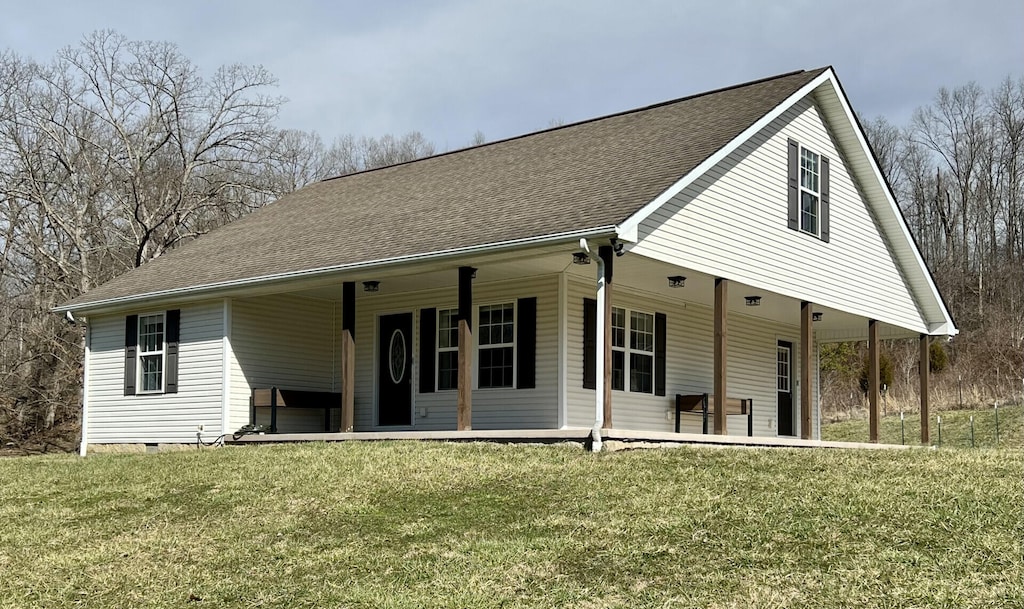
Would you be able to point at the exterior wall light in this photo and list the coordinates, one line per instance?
(753, 301)
(371, 286)
(676, 281)
(816, 316)
(580, 258)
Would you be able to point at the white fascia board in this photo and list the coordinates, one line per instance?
(630, 228)
(216, 289)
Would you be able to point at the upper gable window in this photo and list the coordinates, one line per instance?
(808, 191)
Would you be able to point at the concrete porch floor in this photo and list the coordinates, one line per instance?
(614, 439)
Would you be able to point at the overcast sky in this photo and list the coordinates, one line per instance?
(451, 67)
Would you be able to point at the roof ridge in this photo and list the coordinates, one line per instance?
(583, 122)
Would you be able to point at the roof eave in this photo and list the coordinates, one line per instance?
(216, 289)
(629, 229)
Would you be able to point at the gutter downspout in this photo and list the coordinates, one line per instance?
(595, 433)
(86, 349)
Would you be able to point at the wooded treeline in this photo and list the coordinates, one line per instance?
(957, 170)
(112, 153)
(116, 151)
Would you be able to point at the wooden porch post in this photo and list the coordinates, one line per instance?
(348, 355)
(924, 363)
(464, 416)
(721, 349)
(873, 380)
(608, 256)
(805, 369)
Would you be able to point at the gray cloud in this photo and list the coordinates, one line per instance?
(452, 67)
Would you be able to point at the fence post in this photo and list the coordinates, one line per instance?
(960, 390)
(939, 421)
(972, 431)
(903, 434)
(997, 423)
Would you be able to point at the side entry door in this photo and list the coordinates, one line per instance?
(784, 387)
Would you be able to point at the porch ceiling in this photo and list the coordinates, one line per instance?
(635, 272)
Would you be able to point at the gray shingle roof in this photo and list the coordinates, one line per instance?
(581, 176)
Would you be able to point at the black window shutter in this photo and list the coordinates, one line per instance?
(659, 353)
(428, 352)
(173, 337)
(794, 185)
(589, 343)
(824, 199)
(131, 345)
(526, 344)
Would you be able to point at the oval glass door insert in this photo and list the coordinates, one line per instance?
(396, 356)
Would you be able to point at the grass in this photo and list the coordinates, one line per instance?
(956, 428)
(477, 525)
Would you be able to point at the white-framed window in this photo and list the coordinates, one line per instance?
(496, 345)
(783, 371)
(810, 191)
(447, 349)
(151, 353)
(618, 349)
(633, 359)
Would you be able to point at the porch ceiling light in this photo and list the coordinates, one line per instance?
(580, 258)
(676, 281)
(753, 301)
(371, 286)
(816, 316)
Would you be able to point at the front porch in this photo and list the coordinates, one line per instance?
(399, 348)
(613, 439)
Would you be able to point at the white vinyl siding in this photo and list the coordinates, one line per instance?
(750, 368)
(732, 222)
(288, 342)
(114, 418)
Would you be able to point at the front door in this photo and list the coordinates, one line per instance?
(394, 370)
(784, 386)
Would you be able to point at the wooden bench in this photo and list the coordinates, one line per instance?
(275, 398)
(704, 405)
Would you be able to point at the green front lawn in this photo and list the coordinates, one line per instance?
(408, 524)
